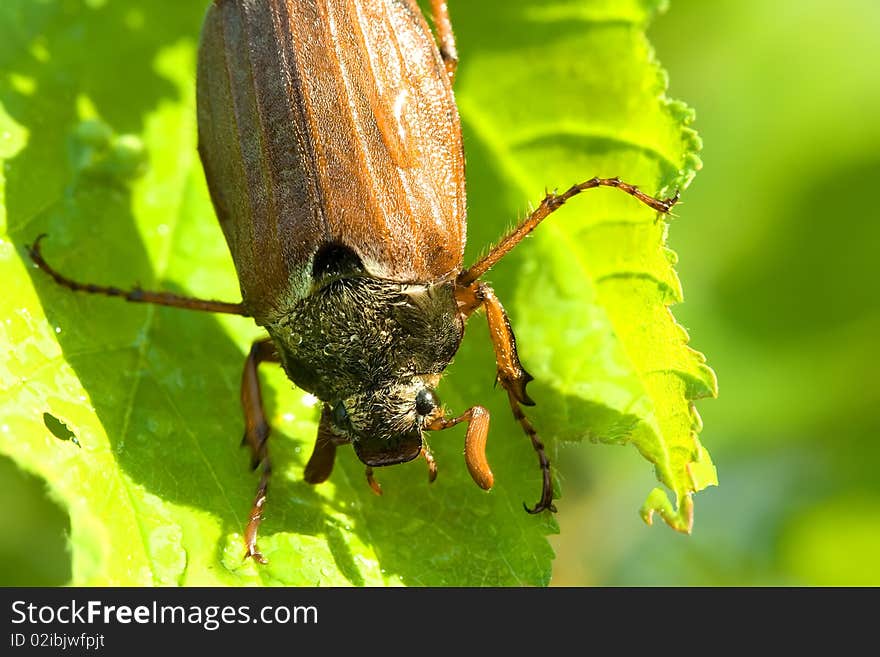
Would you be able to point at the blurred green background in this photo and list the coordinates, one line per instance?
(778, 240)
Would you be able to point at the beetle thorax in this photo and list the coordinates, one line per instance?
(353, 335)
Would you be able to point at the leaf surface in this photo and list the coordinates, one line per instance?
(131, 413)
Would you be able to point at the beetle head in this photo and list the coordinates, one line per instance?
(385, 424)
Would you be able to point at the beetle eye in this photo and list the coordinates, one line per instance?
(426, 401)
(339, 415)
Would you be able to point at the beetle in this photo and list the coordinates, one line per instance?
(331, 145)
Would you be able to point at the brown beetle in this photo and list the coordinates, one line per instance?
(332, 148)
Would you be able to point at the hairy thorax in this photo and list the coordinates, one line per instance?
(360, 333)
(371, 349)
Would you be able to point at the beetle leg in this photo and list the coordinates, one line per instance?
(136, 295)
(546, 501)
(511, 374)
(550, 204)
(432, 464)
(445, 36)
(474, 442)
(320, 463)
(432, 471)
(256, 435)
(371, 480)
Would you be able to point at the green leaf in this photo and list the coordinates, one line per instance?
(589, 295)
(131, 413)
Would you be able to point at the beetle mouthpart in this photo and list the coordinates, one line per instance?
(375, 486)
(432, 464)
(389, 451)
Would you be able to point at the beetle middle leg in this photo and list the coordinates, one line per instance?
(136, 294)
(511, 374)
(256, 436)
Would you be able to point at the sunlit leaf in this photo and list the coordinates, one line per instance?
(131, 413)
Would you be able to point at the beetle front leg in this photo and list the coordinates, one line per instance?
(256, 436)
(320, 463)
(511, 374)
(546, 501)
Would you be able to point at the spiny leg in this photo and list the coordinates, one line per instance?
(474, 442)
(136, 295)
(546, 501)
(511, 373)
(550, 204)
(445, 36)
(256, 436)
